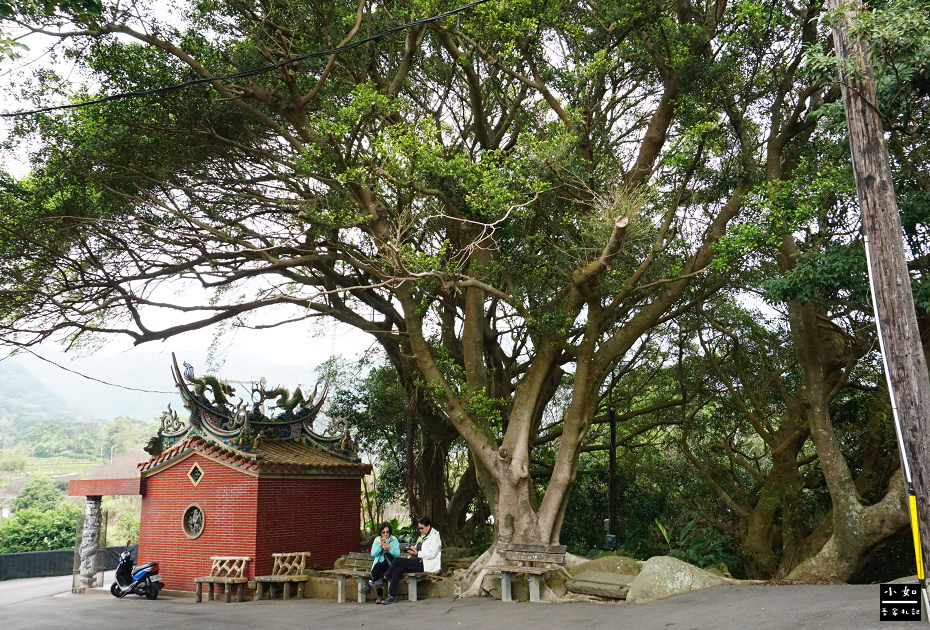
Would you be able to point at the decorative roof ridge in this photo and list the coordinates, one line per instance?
(241, 427)
(256, 462)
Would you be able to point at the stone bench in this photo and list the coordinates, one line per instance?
(533, 561)
(356, 565)
(415, 578)
(225, 570)
(288, 569)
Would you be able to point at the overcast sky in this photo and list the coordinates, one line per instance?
(286, 356)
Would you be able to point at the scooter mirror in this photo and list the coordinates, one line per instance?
(128, 543)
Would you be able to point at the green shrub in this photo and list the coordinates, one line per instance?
(32, 530)
(13, 461)
(40, 493)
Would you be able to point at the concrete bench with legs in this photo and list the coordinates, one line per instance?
(356, 565)
(533, 561)
(288, 569)
(415, 578)
(228, 571)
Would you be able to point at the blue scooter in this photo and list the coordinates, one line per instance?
(144, 580)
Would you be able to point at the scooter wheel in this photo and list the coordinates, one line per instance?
(151, 592)
(115, 591)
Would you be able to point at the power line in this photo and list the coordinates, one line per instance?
(91, 378)
(245, 73)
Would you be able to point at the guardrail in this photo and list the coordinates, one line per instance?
(30, 564)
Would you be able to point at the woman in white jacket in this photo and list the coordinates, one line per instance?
(425, 556)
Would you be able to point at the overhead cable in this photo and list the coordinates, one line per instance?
(244, 73)
(91, 378)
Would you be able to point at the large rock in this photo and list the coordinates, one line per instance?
(601, 584)
(663, 576)
(608, 564)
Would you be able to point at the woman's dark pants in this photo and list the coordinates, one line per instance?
(400, 566)
(378, 571)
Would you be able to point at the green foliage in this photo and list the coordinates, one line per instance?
(835, 270)
(122, 434)
(376, 410)
(13, 461)
(34, 530)
(123, 518)
(55, 437)
(126, 528)
(19, 9)
(39, 493)
(704, 547)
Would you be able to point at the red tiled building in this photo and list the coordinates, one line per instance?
(285, 496)
(231, 481)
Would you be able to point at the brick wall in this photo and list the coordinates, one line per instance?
(244, 516)
(321, 516)
(228, 499)
(105, 487)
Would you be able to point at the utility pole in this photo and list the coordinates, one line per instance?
(612, 473)
(896, 319)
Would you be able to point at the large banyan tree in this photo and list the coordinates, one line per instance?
(508, 199)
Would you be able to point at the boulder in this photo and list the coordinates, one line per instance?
(608, 564)
(663, 576)
(571, 560)
(600, 584)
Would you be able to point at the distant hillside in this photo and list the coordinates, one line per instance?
(24, 400)
(103, 402)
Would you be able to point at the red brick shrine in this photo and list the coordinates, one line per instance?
(231, 481)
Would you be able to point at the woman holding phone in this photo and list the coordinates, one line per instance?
(384, 549)
(424, 556)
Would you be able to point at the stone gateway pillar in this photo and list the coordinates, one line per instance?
(90, 541)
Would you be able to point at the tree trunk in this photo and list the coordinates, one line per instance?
(857, 532)
(857, 528)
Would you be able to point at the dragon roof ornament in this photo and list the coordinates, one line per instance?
(243, 425)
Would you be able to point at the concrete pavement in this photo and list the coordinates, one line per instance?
(17, 591)
(24, 605)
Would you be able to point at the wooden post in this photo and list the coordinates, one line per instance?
(906, 367)
(612, 474)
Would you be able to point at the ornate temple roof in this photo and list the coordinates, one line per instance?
(278, 457)
(242, 435)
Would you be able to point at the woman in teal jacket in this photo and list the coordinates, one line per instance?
(384, 549)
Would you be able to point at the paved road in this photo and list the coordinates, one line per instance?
(29, 604)
(14, 592)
